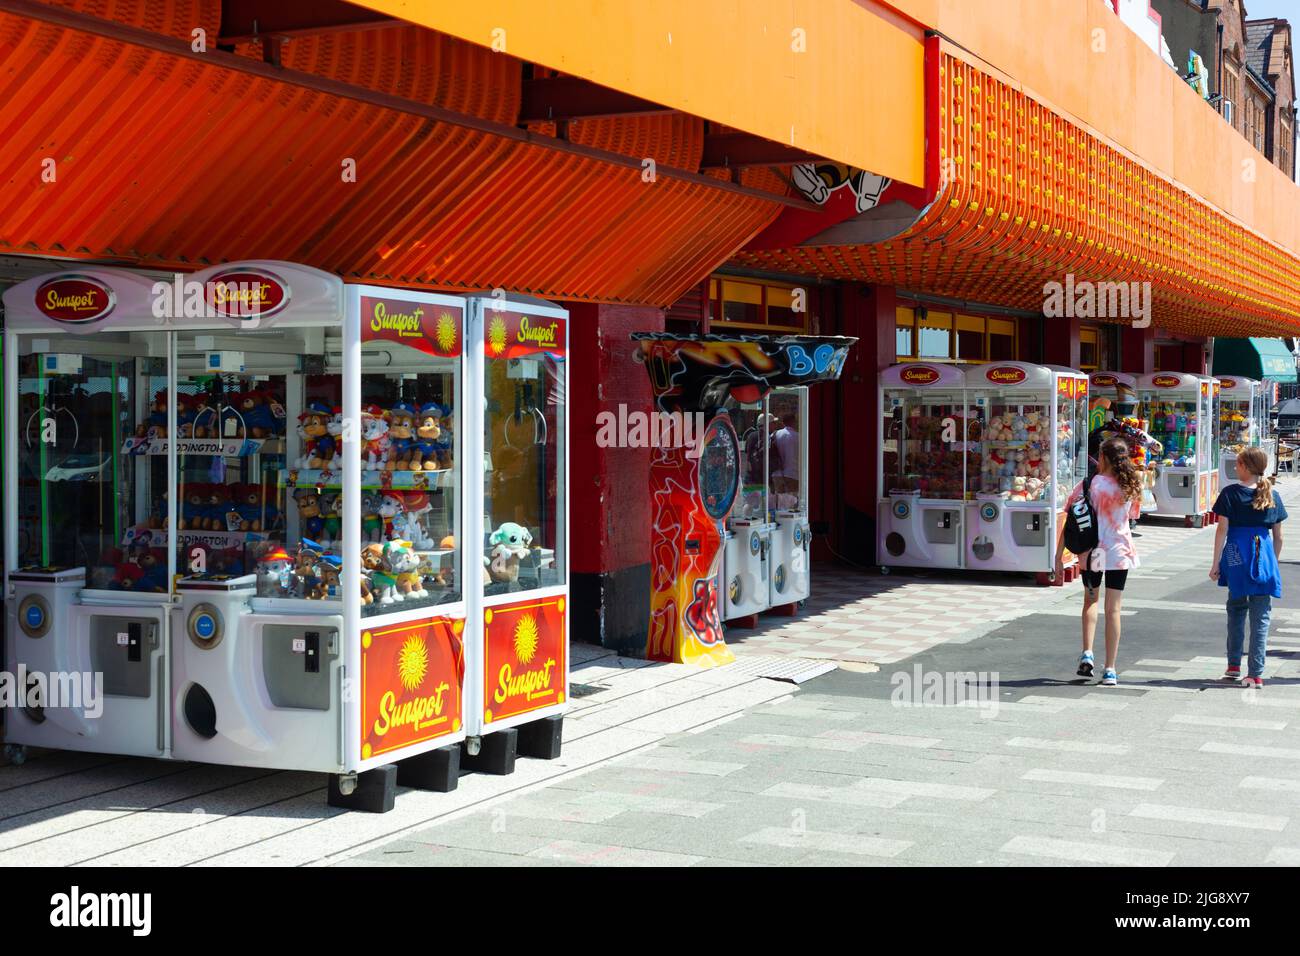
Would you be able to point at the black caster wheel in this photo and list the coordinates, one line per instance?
(884, 569)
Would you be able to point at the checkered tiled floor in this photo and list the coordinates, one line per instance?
(863, 616)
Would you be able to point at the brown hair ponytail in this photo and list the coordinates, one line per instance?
(1255, 461)
(1116, 453)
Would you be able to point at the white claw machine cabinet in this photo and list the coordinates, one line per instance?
(1243, 423)
(765, 560)
(1183, 411)
(923, 463)
(747, 541)
(1032, 450)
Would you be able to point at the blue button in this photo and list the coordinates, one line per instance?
(35, 616)
(205, 626)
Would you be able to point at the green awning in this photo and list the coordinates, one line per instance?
(1267, 359)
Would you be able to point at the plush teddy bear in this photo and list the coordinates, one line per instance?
(510, 544)
(257, 414)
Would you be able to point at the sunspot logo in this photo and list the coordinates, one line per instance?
(102, 910)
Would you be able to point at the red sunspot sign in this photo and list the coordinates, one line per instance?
(246, 294)
(75, 300)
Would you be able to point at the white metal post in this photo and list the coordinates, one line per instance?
(350, 519)
(472, 481)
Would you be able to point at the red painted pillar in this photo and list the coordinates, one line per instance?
(868, 313)
(1061, 342)
(1137, 351)
(609, 510)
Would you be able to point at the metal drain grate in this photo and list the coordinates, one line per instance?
(796, 670)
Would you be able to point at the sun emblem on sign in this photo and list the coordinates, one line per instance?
(497, 335)
(446, 332)
(412, 663)
(526, 638)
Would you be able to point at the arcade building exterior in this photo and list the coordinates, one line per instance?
(428, 239)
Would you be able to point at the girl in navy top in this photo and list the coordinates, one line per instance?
(1246, 548)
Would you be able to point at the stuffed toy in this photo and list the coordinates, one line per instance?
(375, 443)
(308, 502)
(313, 428)
(390, 507)
(258, 419)
(372, 526)
(509, 546)
(274, 572)
(401, 432)
(158, 415)
(329, 504)
(403, 563)
(323, 454)
(194, 507)
(217, 506)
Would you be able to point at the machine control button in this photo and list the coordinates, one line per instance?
(34, 616)
(205, 626)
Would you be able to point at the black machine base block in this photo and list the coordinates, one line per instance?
(437, 770)
(376, 791)
(542, 738)
(496, 753)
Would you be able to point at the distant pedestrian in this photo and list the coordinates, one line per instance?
(1113, 491)
(1246, 548)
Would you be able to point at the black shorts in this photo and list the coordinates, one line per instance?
(1115, 580)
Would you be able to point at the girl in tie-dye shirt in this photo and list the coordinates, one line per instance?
(1115, 492)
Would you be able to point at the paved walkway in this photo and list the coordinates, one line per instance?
(864, 616)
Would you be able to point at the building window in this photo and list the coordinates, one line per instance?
(934, 335)
(1089, 350)
(1169, 358)
(924, 334)
(757, 304)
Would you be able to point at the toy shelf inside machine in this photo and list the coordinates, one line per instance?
(241, 497)
(1243, 423)
(1182, 409)
(1026, 450)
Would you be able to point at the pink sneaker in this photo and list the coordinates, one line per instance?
(1253, 682)
(1232, 673)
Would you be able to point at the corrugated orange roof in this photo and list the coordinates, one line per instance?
(1029, 197)
(167, 161)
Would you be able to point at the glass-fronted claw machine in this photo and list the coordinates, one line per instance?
(1113, 410)
(790, 580)
(765, 562)
(1183, 411)
(747, 541)
(927, 452)
(1031, 449)
(1243, 423)
(518, 682)
(88, 565)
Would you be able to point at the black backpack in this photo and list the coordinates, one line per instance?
(1081, 523)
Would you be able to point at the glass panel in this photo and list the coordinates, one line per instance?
(1088, 351)
(916, 458)
(232, 445)
(742, 302)
(1017, 459)
(411, 471)
(935, 335)
(788, 449)
(780, 308)
(1173, 424)
(970, 346)
(1235, 423)
(752, 427)
(1071, 441)
(85, 498)
(524, 480)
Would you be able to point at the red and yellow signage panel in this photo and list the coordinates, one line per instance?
(412, 676)
(525, 664)
(429, 327)
(510, 334)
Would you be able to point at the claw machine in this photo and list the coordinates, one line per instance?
(241, 509)
(746, 574)
(517, 685)
(765, 562)
(928, 454)
(1243, 423)
(1031, 451)
(1183, 411)
(1113, 410)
